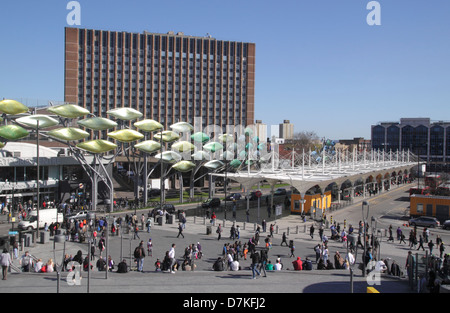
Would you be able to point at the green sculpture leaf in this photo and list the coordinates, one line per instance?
(168, 157)
(182, 127)
(183, 146)
(214, 164)
(167, 136)
(213, 146)
(12, 107)
(97, 123)
(126, 135)
(148, 146)
(97, 146)
(126, 114)
(38, 120)
(183, 166)
(148, 125)
(200, 137)
(69, 111)
(13, 132)
(68, 134)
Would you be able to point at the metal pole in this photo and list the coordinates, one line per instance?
(37, 180)
(89, 263)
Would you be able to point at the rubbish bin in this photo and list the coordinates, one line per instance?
(170, 219)
(28, 240)
(208, 230)
(45, 236)
(160, 220)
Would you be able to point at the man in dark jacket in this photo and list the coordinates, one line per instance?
(218, 265)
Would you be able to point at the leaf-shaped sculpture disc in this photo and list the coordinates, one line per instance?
(214, 164)
(168, 157)
(182, 127)
(148, 146)
(68, 134)
(226, 138)
(126, 114)
(97, 123)
(126, 135)
(167, 136)
(201, 156)
(13, 132)
(97, 146)
(12, 107)
(213, 146)
(183, 166)
(183, 146)
(38, 120)
(69, 111)
(235, 163)
(148, 125)
(200, 137)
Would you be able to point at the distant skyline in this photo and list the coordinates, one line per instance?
(318, 62)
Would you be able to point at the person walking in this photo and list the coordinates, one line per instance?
(219, 232)
(149, 247)
(136, 232)
(149, 224)
(180, 230)
(171, 256)
(5, 261)
(311, 231)
(430, 246)
(255, 262)
(421, 243)
(284, 239)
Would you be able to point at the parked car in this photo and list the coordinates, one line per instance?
(211, 203)
(425, 221)
(233, 196)
(170, 208)
(78, 216)
(154, 193)
(446, 224)
(280, 192)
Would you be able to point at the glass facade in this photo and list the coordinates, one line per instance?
(430, 140)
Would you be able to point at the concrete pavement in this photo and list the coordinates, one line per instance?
(204, 280)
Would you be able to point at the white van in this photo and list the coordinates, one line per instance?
(45, 216)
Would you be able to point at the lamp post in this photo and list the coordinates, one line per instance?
(365, 216)
(58, 239)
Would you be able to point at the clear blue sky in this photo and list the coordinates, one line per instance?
(318, 63)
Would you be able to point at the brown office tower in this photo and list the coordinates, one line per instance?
(168, 77)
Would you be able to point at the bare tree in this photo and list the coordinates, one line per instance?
(303, 140)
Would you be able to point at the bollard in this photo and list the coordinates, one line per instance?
(276, 230)
(243, 227)
(223, 223)
(204, 220)
(297, 230)
(254, 226)
(304, 229)
(287, 233)
(195, 218)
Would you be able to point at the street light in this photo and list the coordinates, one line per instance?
(58, 267)
(365, 216)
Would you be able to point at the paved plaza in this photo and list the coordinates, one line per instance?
(204, 279)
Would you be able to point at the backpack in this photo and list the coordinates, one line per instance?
(137, 252)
